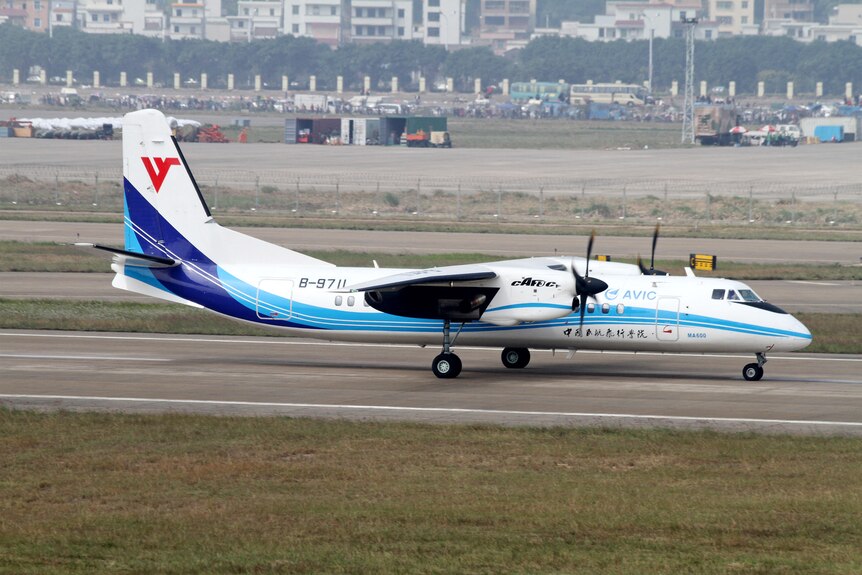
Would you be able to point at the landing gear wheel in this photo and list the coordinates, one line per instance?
(515, 357)
(752, 372)
(446, 366)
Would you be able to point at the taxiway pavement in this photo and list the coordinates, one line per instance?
(526, 245)
(800, 393)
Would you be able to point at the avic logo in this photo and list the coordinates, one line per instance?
(160, 170)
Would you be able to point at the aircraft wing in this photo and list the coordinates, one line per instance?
(461, 273)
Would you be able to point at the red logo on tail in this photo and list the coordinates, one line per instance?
(158, 173)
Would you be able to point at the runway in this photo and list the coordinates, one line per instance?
(280, 376)
(525, 245)
(792, 296)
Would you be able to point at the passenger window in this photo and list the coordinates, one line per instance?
(731, 295)
(351, 300)
(338, 300)
(718, 294)
(591, 307)
(606, 307)
(620, 309)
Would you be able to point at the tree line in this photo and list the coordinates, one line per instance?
(745, 60)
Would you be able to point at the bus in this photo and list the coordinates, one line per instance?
(628, 94)
(545, 91)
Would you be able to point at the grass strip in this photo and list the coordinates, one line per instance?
(49, 257)
(833, 333)
(174, 494)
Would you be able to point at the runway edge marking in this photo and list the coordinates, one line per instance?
(435, 410)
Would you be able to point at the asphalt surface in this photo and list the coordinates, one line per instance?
(526, 245)
(766, 172)
(266, 376)
(792, 296)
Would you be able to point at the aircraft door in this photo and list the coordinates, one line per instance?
(274, 299)
(667, 319)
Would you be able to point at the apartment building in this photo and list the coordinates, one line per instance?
(627, 20)
(444, 21)
(376, 20)
(256, 20)
(335, 22)
(797, 10)
(506, 24)
(102, 17)
(62, 13)
(318, 19)
(734, 17)
(29, 14)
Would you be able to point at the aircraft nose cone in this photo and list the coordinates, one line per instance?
(802, 337)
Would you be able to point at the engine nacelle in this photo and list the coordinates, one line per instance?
(529, 295)
(537, 312)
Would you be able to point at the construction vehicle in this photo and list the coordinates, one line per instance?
(418, 139)
(210, 133)
(205, 133)
(713, 124)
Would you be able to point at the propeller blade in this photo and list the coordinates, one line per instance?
(583, 307)
(590, 252)
(654, 242)
(644, 271)
(651, 271)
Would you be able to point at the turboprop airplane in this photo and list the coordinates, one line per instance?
(176, 251)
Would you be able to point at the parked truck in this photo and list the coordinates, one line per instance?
(713, 124)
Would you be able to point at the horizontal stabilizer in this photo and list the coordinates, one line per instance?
(463, 273)
(135, 259)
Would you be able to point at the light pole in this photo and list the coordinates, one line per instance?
(649, 19)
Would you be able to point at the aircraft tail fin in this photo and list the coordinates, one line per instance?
(166, 215)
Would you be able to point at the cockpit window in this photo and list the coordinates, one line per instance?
(731, 295)
(718, 294)
(748, 295)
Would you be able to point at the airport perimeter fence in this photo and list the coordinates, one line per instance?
(442, 198)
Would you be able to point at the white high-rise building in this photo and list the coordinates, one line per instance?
(335, 22)
(256, 20)
(444, 21)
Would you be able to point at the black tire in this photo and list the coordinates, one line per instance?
(446, 366)
(752, 372)
(515, 357)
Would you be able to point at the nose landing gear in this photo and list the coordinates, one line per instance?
(447, 365)
(754, 371)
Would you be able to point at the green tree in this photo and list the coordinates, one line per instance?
(470, 63)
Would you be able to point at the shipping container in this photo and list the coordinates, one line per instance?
(427, 124)
(850, 125)
(829, 133)
(360, 131)
(394, 129)
(312, 130)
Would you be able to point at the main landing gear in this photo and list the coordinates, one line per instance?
(515, 357)
(447, 365)
(754, 371)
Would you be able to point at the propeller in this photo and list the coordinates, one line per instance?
(651, 271)
(586, 286)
